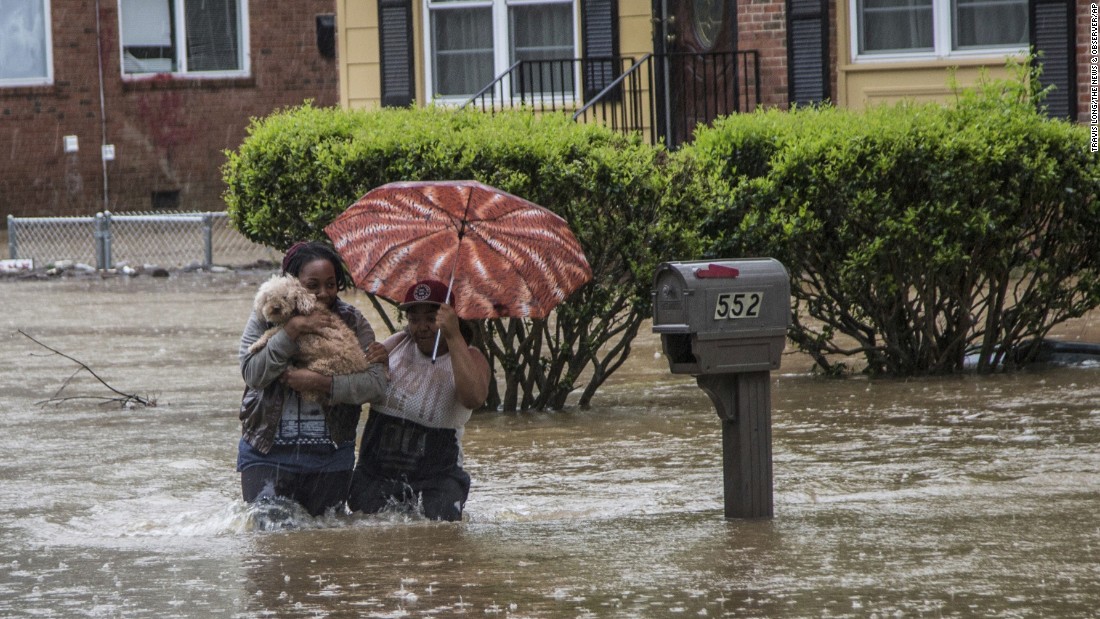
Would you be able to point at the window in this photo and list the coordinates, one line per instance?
(988, 23)
(25, 49)
(198, 37)
(471, 42)
(938, 28)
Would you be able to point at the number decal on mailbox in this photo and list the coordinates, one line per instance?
(738, 305)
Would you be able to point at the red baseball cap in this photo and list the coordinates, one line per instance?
(427, 291)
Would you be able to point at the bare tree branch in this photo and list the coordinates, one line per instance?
(123, 399)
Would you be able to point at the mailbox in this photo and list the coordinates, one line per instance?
(722, 317)
(725, 322)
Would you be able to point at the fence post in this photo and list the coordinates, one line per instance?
(103, 240)
(98, 236)
(208, 238)
(13, 246)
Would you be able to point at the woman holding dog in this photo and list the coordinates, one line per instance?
(410, 454)
(292, 447)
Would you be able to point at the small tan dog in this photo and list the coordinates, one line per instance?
(336, 351)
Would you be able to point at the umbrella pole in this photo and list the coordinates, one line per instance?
(454, 266)
(446, 299)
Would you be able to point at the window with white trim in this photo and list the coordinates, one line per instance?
(938, 28)
(470, 42)
(206, 38)
(26, 57)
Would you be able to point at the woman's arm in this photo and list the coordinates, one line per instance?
(273, 361)
(365, 386)
(471, 370)
(261, 368)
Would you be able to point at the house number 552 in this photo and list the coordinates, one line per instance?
(738, 305)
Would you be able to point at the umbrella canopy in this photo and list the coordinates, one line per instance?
(506, 256)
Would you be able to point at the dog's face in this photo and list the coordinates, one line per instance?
(281, 297)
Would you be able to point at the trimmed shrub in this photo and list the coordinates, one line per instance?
(919, 233)
(300, 168)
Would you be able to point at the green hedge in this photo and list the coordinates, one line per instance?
(300, 168)
(915, 234)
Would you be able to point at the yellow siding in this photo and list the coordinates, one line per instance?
(363, 83)
(863, 85)
(357, 36)
(362, 14)
(418, 50)
(636, 40)
(362, 54)
(860, 84)
(635, 28)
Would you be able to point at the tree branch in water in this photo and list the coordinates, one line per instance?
(124, 399)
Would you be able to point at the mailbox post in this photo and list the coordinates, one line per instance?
(725, 322)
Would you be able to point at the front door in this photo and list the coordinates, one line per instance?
(695, 45)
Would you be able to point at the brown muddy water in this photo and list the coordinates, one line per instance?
(948, 497)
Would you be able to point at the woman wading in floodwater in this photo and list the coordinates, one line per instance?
(291, 447)
(411, 451)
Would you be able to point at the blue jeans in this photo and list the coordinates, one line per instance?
(316, 492)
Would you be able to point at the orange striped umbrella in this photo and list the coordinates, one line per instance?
(504, 256)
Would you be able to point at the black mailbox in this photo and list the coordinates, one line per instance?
(725, 322)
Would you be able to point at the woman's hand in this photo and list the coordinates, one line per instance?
(471, 369)
(447, 321)
(377, 353)
(301, 379)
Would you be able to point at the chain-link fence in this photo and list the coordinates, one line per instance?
(111, 240)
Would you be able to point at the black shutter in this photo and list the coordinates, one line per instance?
(395, 38)
(1053, 35)
(807, 51)
(599, 41)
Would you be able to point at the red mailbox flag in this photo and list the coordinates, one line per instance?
(717, 271)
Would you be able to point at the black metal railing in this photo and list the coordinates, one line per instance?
(626, 103)
(549, 85)
(701, 87)
(662, 96)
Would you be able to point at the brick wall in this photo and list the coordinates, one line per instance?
(762, 26)
(169, 133)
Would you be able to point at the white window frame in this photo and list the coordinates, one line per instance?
(941, 40)
(44, 80)
(501, 42)
(180, 43)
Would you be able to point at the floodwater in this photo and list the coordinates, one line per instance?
(947, 497)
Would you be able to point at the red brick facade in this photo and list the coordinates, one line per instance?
(762, 26)
(169, 133)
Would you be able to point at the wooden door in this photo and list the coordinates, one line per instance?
(695, 42)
